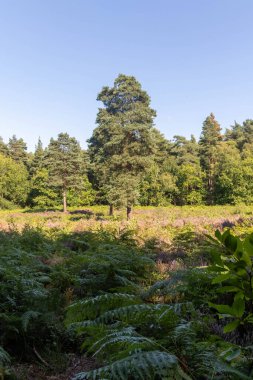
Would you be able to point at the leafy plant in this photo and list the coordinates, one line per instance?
(139, 365)
(130, 336)
(233, 265)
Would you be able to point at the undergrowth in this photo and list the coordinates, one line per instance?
(143, 308)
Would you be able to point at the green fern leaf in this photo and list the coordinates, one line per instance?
(139, 366)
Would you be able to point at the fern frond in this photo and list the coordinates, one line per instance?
(208, 364)
(163, 288)
(139, 366)
(179, 308)
(4, 357)
(125, 338)
(136, 312)
(128, 342)
(91, 308)
(110, 333)
(27, 316)
(184, 329)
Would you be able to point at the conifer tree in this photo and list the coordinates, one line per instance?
(3, 147)
(185, 151)
(209, 142)
(17, 150)
(241, 134)
(64, 161)
(122, 146)
(38, 158)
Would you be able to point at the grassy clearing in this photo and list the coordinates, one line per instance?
(151, 219)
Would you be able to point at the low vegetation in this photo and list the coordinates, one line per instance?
(87, 296)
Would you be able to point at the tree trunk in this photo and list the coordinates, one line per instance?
(111, 210)
(129, 212)
(64, 201)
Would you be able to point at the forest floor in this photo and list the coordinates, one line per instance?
(37, 371)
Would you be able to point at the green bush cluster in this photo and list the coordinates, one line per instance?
(42, 271)
(170, 330)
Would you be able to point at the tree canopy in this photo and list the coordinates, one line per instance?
(122, 147)
(65, 164)
(128, 161)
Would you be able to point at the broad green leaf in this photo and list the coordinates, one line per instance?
(221, 277)
(228, 289)
(249, 318)
(238, 307)
(225, 235)
(218, 235)
(248, 245)
(231, 242)
(231, 326)
(239, 295)
(223, 309)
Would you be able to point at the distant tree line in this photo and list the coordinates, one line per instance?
(129, 162)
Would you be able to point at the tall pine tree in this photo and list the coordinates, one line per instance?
(65, 163)
(17, 150)
(122, 146)
(209, 142)
(38, 158)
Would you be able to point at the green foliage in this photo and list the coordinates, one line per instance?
(30, 304)
(156, 187)
(122, 146)
(17, 150)
(232, 261)
(185, 288)
(209, 142)
(83, 197)
(115, 311)
(129, 162)
(93, 307)
(6, 205)
(115, 327)
(121, 329)
(42, 195)
(109, 264)
(4, 357)
(189, 183)
(5, 361)
(65, 164)
(140, 365)
(13, 181)
(241, 134)
(38, 159)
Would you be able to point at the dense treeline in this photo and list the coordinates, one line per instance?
(128, 161)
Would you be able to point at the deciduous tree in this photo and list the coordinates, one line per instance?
(13, 181)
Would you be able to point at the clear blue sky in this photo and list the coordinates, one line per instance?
(193, 57)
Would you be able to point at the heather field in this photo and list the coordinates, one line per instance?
(146, 222)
